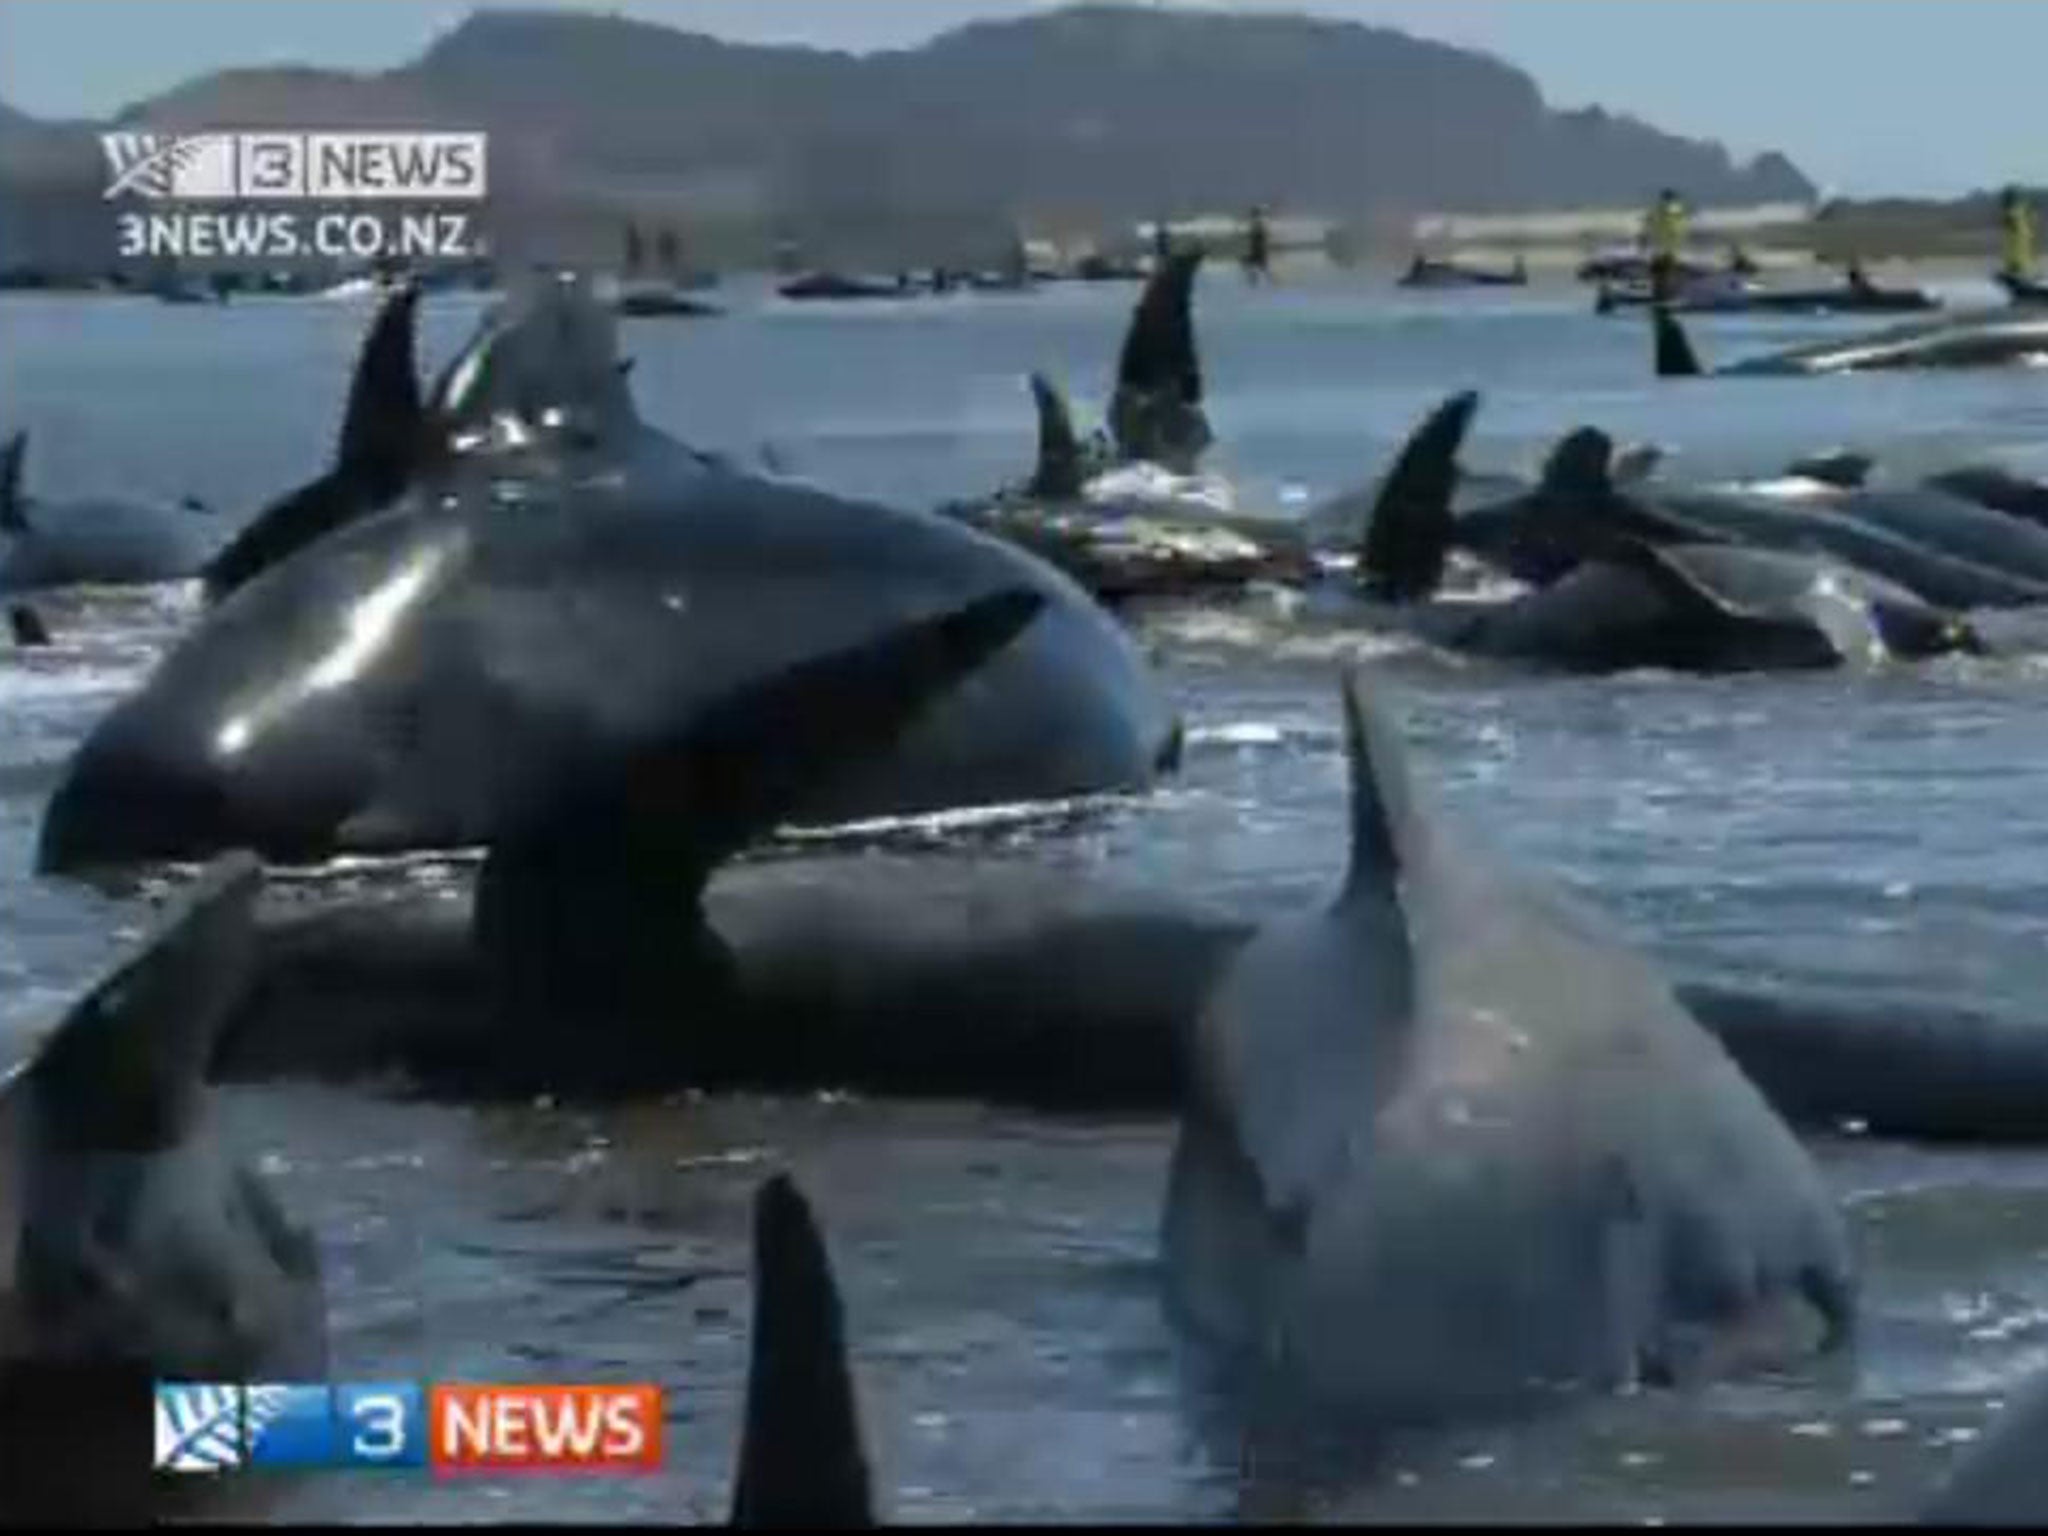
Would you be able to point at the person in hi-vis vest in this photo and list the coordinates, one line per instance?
(2018, 218)
(1664, 238)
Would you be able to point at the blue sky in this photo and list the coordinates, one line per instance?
(1869, 96)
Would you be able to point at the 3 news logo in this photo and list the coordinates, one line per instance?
(213, 1427)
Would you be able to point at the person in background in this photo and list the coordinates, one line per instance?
(1162, 242)
(2018, 218)
(1258, 254)
(1664, 239)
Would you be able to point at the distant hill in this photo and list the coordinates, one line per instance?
(1099, 114)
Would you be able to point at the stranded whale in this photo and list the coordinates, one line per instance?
(99, 542)
(133, 1249)
(1447, 1139)
(560, 616)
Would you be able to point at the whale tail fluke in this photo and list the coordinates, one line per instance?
(1408, 535)
(383, 423)
(801, 1465)
(13, 510)
(27, 627)
(125, 1071)
(1058, 474)
(1675, 356)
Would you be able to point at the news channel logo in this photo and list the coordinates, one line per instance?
(208, 1427)
(273, 166)
(219, 1427)
(279, 196)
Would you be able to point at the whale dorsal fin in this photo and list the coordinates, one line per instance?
(1581, 465)
(125, 1070)
(382, 426)
(1675, 356)
(801, 1465)
(1155, 413)
(13, 509)
(27, 626)
(1382, 797)
(1408, 536)
(1158, 353)
(1844, 468)
(1058, 472)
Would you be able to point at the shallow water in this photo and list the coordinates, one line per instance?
(1882, 838)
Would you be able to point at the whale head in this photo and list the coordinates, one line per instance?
(542, 368)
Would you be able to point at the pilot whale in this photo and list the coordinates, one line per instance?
(1448, 1139)
(1987, 339)
(580, 634)
(1627, 583)
(2003, 1480)
(131, 1248)
(1129, 516)
(46, 544)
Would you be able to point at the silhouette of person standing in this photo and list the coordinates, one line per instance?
(1258, 252)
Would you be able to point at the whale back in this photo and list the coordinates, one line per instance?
(1453, 1136)
(543, 366)
(2004, 1479)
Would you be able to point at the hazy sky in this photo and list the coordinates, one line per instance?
(1867, 95)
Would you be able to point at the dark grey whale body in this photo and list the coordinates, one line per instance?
(131, 1248)
(94, 541)
(1985, 339)
(612, 664)
(1627, 581)
(1449, 1141)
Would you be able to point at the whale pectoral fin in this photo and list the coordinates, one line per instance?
(126, 1069)
(748, 760)
(382, 425)
(1675, 356)
(13, 509)
(1407, 536)
(801, 1465)
(1676, 582)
